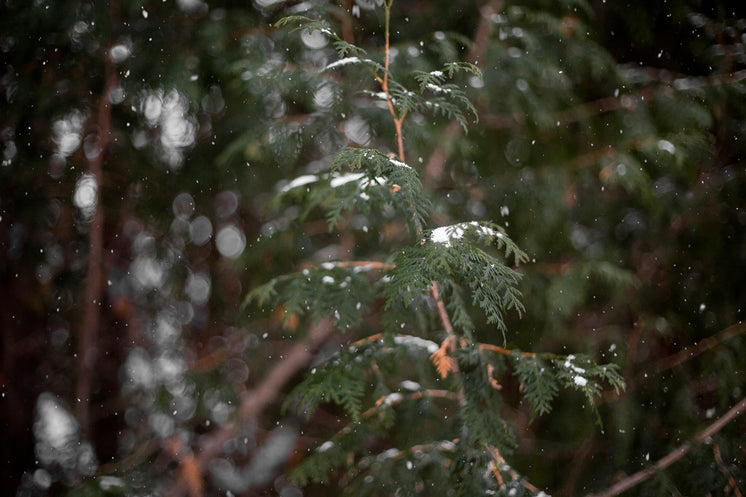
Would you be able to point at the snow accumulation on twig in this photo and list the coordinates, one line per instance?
(445, 234)
(412, 341)
(300, 181)
(343, 62)
(399, 163)
(336, 181)
(356, 267)
(345, 178)
(360, 177)
(438, 89)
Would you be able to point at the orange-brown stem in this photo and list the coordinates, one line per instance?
(504, 351)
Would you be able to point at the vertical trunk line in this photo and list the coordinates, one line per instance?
(87, 348)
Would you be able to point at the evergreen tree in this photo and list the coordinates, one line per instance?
(418, 301)
(382, 248)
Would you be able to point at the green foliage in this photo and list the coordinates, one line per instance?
(361, 180)
(439, 268)
(455, 255)
(404, 190)
(480, 411)
(237, 152)
(320, 291)
(343, 48)
(540, 386)
(433, 95)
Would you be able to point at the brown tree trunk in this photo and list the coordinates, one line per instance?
(87, 340)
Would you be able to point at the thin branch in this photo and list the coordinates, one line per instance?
(389, 401)
(504, 351)
(687, 354)
(254, 401)
(441, 308)
(357, 264)
(627, 101)
(497, 463)
(398, 120)
(189, 472)
(674, 455)
(726, 472)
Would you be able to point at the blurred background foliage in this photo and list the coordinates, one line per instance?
(610, 143)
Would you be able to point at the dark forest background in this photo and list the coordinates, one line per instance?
(141, 145)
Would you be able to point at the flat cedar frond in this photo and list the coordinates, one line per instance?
(344, 378)
(538, 382)
(303, 23)
(541, 376)
(404, 189)
(371, 65)
(320, 291)
(480, 410)
(359, 179)
(452, 68)
(455, 255)
(448, 100)
(345, 49)
(457, 269)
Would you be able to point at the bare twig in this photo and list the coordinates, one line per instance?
(670, 362)
(504, 351)
(674, 455)
(384, 81)
(254, 401)
(723, 469)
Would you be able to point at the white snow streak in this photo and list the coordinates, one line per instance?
(393, 398)
(438, 89)
(399, 163)
(412, 341)
(343, 62)
(300, 181)
(445, 234)
(345, 178)
(325, 446)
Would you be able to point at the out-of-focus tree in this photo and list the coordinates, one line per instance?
(142, 142)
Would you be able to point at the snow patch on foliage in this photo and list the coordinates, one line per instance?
(417, 342)
(399, 163)
(343, 62)
(325, 446)
(393, 398)
(388, 454)
(345, 178)
(438, 89)
(336, 181)
(410, 385)
(446, 234)
(300, 181)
